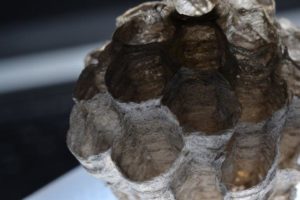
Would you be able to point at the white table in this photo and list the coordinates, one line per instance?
(74, 185)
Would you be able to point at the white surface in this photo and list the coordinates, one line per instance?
(75, 185)
(42, 69)
(298, 192)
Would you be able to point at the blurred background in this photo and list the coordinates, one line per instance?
(42, 47)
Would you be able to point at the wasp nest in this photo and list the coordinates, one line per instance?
(193, 100)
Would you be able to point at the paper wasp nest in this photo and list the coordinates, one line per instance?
(193, 100)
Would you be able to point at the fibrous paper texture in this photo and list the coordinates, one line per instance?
(193, 100)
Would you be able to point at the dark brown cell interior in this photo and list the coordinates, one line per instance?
(202, 101)
(261, 91)
(143, 154)
(196, 182)
(199, 46)
(139, 74)
(92, 79)
(249, 159)
(86, 88)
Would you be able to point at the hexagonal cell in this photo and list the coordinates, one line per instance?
(202, 101)
(196, 182)
(254, 43)
(139, 73)
(250, 157)
(91, 80)
(261, 99)
(91, 132)
(258, 86)
(150, 145)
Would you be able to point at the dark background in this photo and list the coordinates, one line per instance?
(33, 123)
(38, 25)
